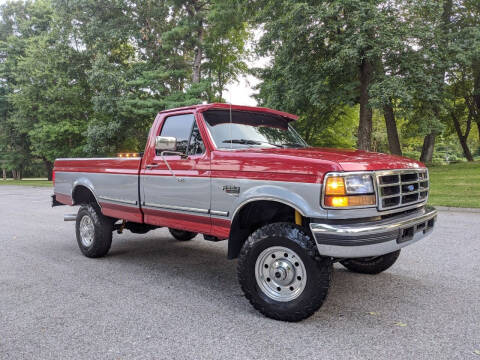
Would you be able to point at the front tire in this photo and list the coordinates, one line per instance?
(182, 235)
(94, 231)
(372, 266)
(282, 274)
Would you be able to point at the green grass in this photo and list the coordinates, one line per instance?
(27, 182)
(456, 185)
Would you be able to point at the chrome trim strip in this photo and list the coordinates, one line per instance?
(218, 213)
(345, 213)
(369, 229)
(131, 202)
(173, 207)
(105, 158)
(348, 232)
(351, 252)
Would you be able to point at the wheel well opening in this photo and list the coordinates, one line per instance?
(253, 216)
(83, 195)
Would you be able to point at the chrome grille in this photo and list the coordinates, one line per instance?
(397, 188)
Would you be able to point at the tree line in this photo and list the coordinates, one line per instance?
(86, 77)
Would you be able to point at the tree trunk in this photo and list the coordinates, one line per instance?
(463, 138)
(429, 140)
(4, 174)
(476, 94)
(197, 61)
(17, 174)
(364, 137)
(392, 132)
(49, 168)
(427, 148)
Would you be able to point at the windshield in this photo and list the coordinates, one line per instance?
(250, 129)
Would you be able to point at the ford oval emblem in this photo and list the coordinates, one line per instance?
(411, 187)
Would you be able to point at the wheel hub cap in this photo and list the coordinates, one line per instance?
(283, 272)
(280, 273)
(87, 231)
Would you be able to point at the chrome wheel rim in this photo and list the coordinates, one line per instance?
(280, 273)
(87, 231)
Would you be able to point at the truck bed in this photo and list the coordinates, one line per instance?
(115, 180)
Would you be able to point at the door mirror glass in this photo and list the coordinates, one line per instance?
(165, 143)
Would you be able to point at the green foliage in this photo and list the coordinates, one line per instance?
(50, 102)
(416, 49)
(87, 77)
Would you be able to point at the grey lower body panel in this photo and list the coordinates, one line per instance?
(373, 238)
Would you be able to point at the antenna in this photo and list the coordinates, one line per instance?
(231, 138)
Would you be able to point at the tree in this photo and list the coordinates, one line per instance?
(51, 99)
(438, 51)
(150, 55)
(329, 54)
(20, 22)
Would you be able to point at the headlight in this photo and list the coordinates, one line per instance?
(349, 191)
(359, 184)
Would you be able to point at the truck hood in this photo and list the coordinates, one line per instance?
(348, 160)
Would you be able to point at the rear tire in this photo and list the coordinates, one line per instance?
(94, 231)
(282, 274)
(182, 235)
(372, 266)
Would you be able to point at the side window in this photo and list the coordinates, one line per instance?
(195, 146)
(179, 127)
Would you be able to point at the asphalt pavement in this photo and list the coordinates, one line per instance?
(154, 297)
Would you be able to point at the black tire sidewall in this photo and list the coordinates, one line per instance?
(373, 267)
(103, 227)
(257, 249)
(318, 275)
(182, 235)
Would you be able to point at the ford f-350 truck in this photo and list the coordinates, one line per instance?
(242, 174)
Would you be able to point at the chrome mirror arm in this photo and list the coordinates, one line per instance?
(182, 155)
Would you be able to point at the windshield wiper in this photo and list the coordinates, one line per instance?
(250, 142)
(293, 145)
(242, 141)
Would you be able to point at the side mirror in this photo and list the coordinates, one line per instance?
(165, 143)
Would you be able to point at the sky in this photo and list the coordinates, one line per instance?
(241, 91)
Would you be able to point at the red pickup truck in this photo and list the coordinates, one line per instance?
(242, 174)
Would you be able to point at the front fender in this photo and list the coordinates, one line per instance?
(276, 193)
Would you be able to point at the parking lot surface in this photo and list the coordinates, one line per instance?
(154, 297)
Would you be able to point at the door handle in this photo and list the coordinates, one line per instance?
(152, 166)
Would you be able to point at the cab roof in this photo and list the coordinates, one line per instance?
(204, 107)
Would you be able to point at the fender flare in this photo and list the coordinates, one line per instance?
(85, 182)
(272, 193)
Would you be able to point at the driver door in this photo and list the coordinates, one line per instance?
(178, 197)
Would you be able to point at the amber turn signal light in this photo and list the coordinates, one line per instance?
(335, 186)
(344, 201)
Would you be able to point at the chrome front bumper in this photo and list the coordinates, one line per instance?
(373, 238)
